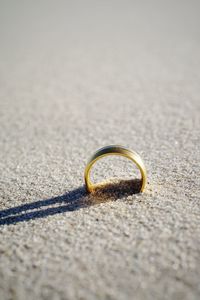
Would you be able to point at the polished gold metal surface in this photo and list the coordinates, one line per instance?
(115, 150)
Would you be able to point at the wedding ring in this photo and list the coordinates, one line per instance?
(115, 150)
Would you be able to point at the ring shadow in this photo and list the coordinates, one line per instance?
(71, 201)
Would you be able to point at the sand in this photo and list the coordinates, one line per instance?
(74, 77)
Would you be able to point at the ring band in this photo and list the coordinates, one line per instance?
(115, 150)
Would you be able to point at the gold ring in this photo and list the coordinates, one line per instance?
(115, 150)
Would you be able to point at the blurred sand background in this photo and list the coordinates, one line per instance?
(76, 76)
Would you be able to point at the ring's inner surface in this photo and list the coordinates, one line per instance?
(113, 167)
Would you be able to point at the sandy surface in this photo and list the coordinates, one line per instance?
(76, 76)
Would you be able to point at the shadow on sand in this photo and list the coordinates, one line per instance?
(71, 201)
